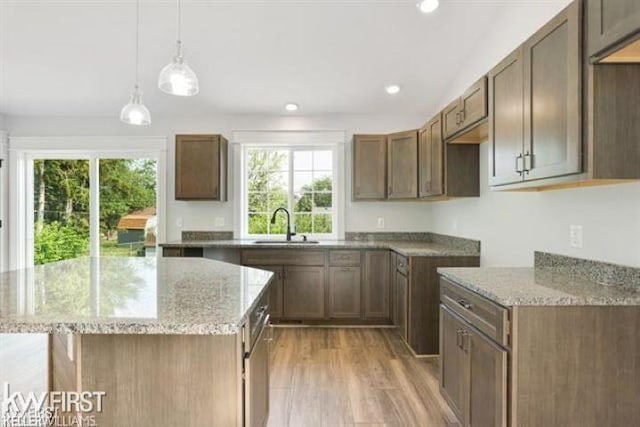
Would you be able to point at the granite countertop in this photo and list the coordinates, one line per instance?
(406, 248)
(540, 287)
(111, 295)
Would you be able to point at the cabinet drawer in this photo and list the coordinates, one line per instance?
(402, 264)
(489, 317)
(344, 258)
(282, 257)
(256, 318)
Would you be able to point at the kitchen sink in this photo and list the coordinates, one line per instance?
(291, 242)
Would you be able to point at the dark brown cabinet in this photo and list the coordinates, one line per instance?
(611, 25)
(344, 292)
(402, 295)
(376, 290)
(466, 111)
(552, 98)
(473, 373)
(201, 167)
(454, 365)
(402, 168)
(369, 167)
(431, 159)
(535, 105)
(303, 288)
(487, 381)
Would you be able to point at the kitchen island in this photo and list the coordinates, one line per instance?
(169, 341)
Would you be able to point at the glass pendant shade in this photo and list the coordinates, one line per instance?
(135, 113)
(177, 78)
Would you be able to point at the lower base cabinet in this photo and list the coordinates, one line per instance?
(303, 289)
(473, 373)
(401, 304)
(344, 292)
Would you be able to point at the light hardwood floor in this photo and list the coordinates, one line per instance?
(352, 377)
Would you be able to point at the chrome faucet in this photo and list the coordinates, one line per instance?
(273, 221)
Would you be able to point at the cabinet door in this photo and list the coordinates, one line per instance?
(376, 284)
(393, 289)
(303, 292)
(402, 304)
(506, 120)
(473, 104)
(431, 150)
(276, 292)
(200, 167)
(611, 22)
(488, 381)
(402, 170)
(451, 119)
(369, 167)
(454, 364)
(344, 292)
(552, 98)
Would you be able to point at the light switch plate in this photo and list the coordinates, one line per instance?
(218, 221)
(575, 235)
(179, 222)
(380, 222)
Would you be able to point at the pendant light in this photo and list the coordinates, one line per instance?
(177, 78)
(135, 113)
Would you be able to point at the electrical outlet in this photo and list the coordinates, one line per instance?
(179, 222)
(575, 235)
(218, 221)
(454, 224)
(380, 222)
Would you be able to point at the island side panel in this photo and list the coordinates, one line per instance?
(575, 366)
(153, 380)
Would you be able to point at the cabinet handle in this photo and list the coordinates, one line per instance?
(528, 162)
(458, 340)
(465, 304)
(462, 116)
(458, 121)
(465, 341)
(519, 164)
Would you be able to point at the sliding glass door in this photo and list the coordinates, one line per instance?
(97, 206)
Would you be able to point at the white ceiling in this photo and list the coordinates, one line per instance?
(67, 58)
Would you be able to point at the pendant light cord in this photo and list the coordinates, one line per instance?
(137, 42)
(178, 18)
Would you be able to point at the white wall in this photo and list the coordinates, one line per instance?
(512, 225)
(400, 216)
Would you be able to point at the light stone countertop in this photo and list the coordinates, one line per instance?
(539, 287)
(111, 295)
(409, 249)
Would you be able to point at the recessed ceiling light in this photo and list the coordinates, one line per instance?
(428, 6)
(392, 89)
(291, 106)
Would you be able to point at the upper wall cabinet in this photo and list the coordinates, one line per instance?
(462, 114)
(506, 120)
(535, 105)
(613, 25)
(201, 167)
(431, 159)
(446, 170)
(369, 167)
(557, 121)
(402, 167)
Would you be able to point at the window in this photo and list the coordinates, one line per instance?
(300, 179)
(91, 196)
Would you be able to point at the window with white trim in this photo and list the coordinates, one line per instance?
(301, 179)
